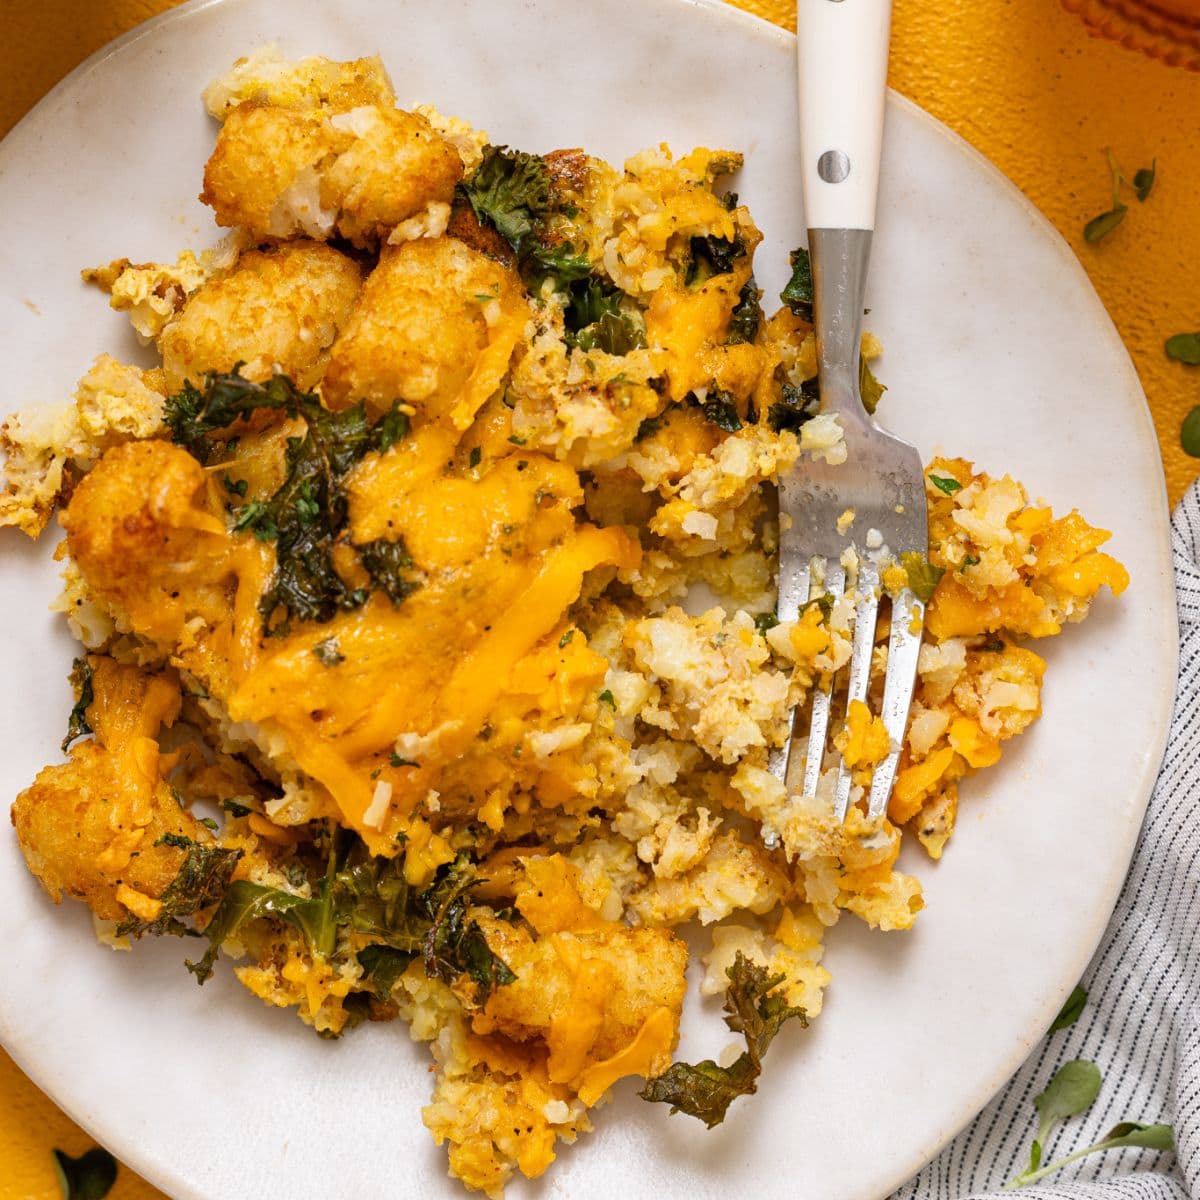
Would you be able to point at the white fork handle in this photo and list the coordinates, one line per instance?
(842, 46)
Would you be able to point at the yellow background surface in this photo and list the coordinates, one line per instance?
(1020, 79)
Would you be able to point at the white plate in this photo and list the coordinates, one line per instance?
(996, 348)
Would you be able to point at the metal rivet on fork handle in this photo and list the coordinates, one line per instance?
(833, 166)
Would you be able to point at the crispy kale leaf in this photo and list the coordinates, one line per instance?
(796, 406)
(192, 414)
(387, 563)
(510, 190)
(720, 408)
(453, 944)
(798, 294)
(706, 1090)
(308, 513)
(596, 318)
(81, 681)
(201, 881)
(370, 897)
(869, 388)
(746, 315)
(712, 256)
(383, 965)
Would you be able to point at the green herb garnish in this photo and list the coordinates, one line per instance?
(1143, 180)
(1184, 348)
(565, 639)
(705, 1090)
(88, 1177)
(1189, 433)
(946, 484)
(1073, 1090)
(923, 576)
(606, 697)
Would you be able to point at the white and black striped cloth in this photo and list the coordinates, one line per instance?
(1141, 1025)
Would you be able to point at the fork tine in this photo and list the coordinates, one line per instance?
(903, 650)
(865, 613)
(793, 595)
(835, 586)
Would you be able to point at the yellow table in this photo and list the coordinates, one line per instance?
(1020, 79)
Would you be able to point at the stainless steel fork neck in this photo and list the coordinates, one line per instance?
(839, 259)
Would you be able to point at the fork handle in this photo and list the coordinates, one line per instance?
(842, 50)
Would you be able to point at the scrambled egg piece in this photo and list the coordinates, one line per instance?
(385, 558)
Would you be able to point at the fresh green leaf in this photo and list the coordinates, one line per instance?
(796, 407)
(798, 294)
(1134, 1133)
(720, 408)
(869, 388)
(88, 1177)
(1105, 223)
(1184, 348)
(1189, 433)
(210, 824)
(705, 1090)
(81, 681)
(202, 880)
(235, 809)
(510, 190)
(371, 897)
(746, 315)
(1073, 1089)
(945, 483)
(1071, 1009)
(923, 576)
(235, 487)
(1143, 179)
(383, 966)
(1126, 1135)
(327, 652)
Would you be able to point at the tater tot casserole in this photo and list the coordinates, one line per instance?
(396, 694)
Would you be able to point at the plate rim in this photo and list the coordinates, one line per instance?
(160, 1173)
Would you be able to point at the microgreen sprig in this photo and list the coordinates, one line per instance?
(1141, 183)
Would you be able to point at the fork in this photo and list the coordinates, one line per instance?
(842, 58)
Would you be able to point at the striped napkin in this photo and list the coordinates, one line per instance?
(1141, 1024)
